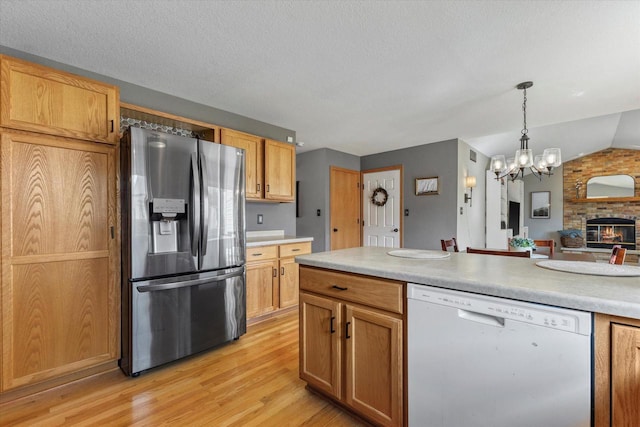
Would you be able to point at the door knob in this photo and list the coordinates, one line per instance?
(395, 230)
(335, 229)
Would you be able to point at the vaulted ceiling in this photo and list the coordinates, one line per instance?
(365, 77)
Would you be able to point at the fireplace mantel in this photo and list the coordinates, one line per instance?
(607, 200)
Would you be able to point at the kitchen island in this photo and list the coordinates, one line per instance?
(374, 278)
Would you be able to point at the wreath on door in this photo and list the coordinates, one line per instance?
(379, 196)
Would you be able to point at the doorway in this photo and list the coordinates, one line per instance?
(381, 207)
(345, 192)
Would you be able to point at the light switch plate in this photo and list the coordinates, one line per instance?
(260, 219)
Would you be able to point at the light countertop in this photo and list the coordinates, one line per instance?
(272, 237)
(507, 277)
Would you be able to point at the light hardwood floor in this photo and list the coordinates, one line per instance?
(251, 382)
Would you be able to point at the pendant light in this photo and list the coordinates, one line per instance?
(539, 165)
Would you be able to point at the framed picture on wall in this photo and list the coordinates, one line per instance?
(540, 204)
(427, 186)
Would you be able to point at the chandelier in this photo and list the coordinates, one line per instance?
(539, 165)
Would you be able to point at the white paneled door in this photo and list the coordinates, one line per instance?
(382, 225)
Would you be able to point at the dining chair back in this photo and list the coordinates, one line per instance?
(519, 254)
(545, 244)
(449, 244)
(618, 253)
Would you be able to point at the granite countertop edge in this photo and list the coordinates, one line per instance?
(492, 275)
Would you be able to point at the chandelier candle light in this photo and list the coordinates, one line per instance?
(514, 167)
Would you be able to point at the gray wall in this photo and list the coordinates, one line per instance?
(542, 228)
(279, 216)
(313, 173)
(431, 218)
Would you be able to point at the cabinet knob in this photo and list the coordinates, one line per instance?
(335, 230)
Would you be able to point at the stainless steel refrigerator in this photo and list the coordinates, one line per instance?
(183, 247)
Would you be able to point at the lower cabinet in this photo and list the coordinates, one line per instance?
(617, 371)
(350, 351)
(272, 278)
(262, 287)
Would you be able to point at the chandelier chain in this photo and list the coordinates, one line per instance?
(524, 113)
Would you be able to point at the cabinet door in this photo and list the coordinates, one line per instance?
(280, 171)
(41, 99)
(320, 346)
(289, 281)
(374, 365)
(253, 147)
(625, 375)
(262, 287)
(60, 265)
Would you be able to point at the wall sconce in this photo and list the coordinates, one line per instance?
(469, 182)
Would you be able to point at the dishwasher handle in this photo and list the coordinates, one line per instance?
(486, 319)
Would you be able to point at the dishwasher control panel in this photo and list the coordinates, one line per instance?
(551, 317)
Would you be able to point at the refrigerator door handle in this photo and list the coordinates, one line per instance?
(205, 202)
(187, 283)
(195, 207)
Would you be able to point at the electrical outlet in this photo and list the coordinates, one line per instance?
(406, 212)
(289, 139)
(318, 212)
(260, 219)
(461, 210)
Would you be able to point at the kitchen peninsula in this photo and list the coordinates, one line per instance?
(371, 286)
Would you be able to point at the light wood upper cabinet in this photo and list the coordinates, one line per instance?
(279, 171)
(254, 154)
(40, 99)
(60, 263)
(270, 166)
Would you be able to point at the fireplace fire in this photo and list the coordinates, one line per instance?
(607, 232)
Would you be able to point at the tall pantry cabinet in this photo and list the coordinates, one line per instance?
(60, 293)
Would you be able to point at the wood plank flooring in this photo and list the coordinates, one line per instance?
(251, 382)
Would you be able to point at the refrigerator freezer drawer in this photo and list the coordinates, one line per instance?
(173, 318)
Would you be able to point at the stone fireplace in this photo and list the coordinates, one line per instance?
(578, 211)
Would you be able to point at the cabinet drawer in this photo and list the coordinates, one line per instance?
(372, 291)
(294, 249)
(262, 252)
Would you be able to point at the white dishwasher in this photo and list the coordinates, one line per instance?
(476, 360)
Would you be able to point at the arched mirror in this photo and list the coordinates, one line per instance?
(599, 187)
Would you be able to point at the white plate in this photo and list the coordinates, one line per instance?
(592, 268)
(419, 254)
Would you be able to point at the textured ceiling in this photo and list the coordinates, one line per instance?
(361, 76)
